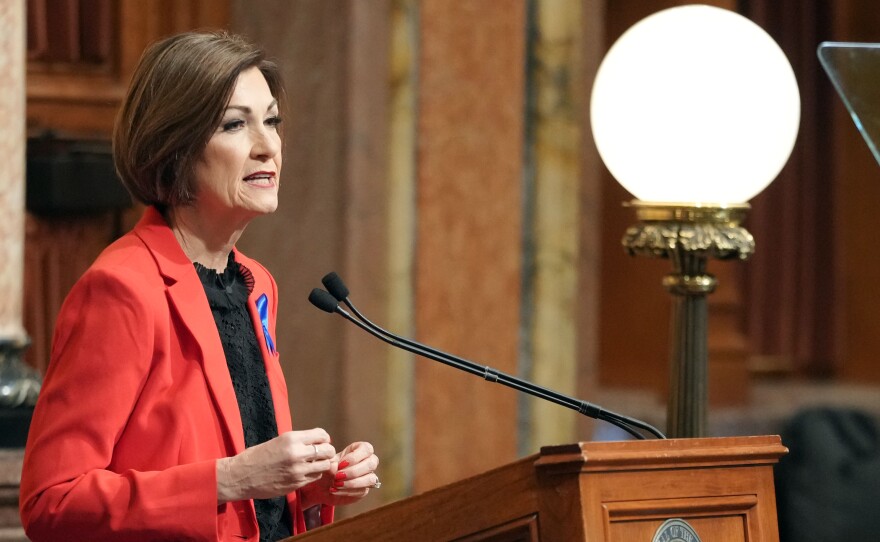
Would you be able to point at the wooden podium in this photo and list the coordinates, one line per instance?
(593, 491)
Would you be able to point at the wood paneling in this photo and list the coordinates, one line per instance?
(789, 284)
(856, 199)
(74, 87)
(82, 53)
(57, 252)
(81, 33)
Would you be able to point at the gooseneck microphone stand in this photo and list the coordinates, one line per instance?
(338, 292)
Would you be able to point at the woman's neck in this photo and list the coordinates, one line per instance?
(204, 241)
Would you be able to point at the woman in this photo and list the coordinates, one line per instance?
(163, 415)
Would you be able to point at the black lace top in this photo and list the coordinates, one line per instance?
(227, 294)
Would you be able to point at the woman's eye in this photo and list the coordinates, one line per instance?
(273, 121)
(232, 125)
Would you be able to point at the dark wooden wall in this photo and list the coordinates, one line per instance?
(856, 194)
(80, 56)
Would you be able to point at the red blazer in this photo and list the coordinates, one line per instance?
(137, 404)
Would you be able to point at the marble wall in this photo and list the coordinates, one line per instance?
(12, 149)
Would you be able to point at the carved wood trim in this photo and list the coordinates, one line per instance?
(660, 454)
(694, 507)
(76, 81)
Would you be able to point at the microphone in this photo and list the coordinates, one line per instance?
(338, 292)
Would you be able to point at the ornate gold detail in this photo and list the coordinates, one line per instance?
(662, 239)
(690, 284)
(730, 214)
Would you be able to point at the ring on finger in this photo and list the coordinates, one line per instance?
(315, 446)
(377, 484)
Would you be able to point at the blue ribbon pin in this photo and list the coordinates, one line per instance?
(263, 309)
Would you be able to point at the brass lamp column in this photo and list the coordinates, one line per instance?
(689, 236)
(693, 104)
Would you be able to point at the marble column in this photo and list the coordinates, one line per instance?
(19, 384)
(468, 235)
(12, 148)
(12, 335)
(553, 177)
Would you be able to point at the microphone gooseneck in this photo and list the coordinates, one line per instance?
(338, 292)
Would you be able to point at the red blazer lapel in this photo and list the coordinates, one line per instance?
(264, 285)
(186, 296)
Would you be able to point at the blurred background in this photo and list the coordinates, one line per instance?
(438, 157)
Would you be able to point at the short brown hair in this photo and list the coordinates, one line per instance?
(175, 102)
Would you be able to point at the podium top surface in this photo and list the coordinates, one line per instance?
(654, 454)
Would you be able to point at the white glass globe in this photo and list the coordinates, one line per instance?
(695, 104)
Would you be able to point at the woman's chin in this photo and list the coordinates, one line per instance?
(269, 209)
(262, 206)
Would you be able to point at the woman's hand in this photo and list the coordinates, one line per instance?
(276, 467)
(351, 478)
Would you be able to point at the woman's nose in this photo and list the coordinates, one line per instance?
(266, 143)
